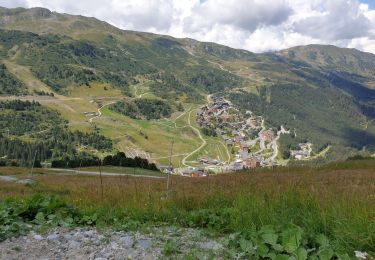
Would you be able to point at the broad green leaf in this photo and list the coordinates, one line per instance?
(301, 254)
(278, 247)
(291, 239)
(322, 240)
(40, 218)
(51, 216)
(246, 246)
(271, 256)
(267, 229)
(262, 250)
(232, 253)
(270, 238)
(343, 256)
(325, 253)
(282, 257)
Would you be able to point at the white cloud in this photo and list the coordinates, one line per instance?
(336, 20)
(142, 15)
(244, 15)
(255, 25)
(13, 3)
(364, 44)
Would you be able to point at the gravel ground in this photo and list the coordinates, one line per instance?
(79, 243)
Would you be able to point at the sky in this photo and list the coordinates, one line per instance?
(254, 25)
(371, 3)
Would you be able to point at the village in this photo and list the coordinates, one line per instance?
(251, 143)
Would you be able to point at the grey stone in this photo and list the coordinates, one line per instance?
(96, 243)
(144, 243)
(78, 236)
(53, 237)
(126, 241)
(67, 236)
(74, 244)
(211, 245)
(38, 237)
(114, 245)
(108, 255)
(89, 233)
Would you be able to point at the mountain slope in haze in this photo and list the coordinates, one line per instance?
(333, 58)
(323, 94)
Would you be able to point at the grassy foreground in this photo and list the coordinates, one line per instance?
(285, 212)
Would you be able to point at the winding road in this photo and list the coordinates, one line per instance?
(100, 112)
(204, 142)
(111, 174)
(182, 114)
(275, 147)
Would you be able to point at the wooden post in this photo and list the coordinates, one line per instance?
(170, 168)
(101, 178)
(32, 166)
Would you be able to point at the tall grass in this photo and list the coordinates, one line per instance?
(337, 202)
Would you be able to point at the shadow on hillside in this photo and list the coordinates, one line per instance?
(347, 83)
(359, 138)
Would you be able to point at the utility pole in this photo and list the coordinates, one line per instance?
(101, 178)
(80, 165)
(32, 166)
(170, 166)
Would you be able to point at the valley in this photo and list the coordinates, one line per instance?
(145, 92)
(105, 134)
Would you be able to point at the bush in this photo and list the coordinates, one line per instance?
(282, 242)
(143, 108)
(38, 210)
(120, 159)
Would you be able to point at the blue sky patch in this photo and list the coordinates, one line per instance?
(371, 3)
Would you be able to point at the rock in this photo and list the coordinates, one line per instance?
(67, 236)
(72, 244)
(78, 236)
(126, 241)
(38, 237)
(75, 244)
(211, 245)
(88, 233)
(96, 242)
(53, 237)
(108, 256)
(114, 245)
(144, 244)
(360, 255)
